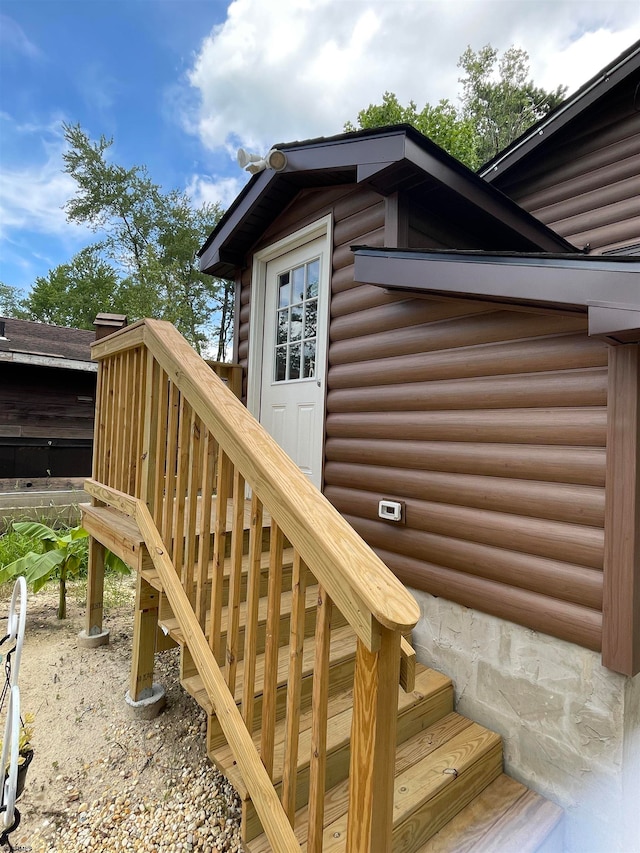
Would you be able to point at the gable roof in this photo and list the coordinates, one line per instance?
(599, 87)
(28, 342)
(387, 160)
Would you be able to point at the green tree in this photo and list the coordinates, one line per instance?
(72, 294)
(499, 102)
(151, 235)
(442, 124)
(11, 304)
(499, 99)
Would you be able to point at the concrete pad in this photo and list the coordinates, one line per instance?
(149, 706)
(92, 641)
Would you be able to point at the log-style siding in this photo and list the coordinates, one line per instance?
(585, 184)
(489, 424)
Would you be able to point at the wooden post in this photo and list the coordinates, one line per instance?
(144, 640)
(373, 745)
(621, 594)
(95, 588)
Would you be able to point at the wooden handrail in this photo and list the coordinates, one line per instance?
(359, 583)
(170, 433)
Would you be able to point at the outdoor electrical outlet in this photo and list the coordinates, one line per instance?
(391, 510)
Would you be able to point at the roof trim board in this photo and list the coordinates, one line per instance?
(38, 360)
(607, 290)
(378, 158)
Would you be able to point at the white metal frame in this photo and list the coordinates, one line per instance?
(16, 622)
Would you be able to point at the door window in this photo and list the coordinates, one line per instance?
(297, 323)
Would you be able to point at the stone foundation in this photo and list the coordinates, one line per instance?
(571, 728)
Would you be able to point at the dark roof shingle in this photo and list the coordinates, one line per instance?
(29, 337)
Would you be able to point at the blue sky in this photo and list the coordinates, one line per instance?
(180, 84)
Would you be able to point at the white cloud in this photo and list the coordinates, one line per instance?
(32, 196)
(301, 68)
(13, 38)
(222, 191)
(579, 60)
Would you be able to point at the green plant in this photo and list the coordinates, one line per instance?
(63, 556)
(42, 553)
(13, 545)
(24, 738)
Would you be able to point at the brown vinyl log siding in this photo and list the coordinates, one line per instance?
(586, 184)
(490, 426)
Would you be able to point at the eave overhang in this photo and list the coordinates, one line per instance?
(607, 290)
(45, 360)
(387, 160)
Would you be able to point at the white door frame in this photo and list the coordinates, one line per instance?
(319, 228)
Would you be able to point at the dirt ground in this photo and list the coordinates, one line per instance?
(85, 741)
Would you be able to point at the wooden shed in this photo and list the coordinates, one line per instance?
(47, 399)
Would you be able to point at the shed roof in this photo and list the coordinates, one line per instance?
(386, 159)
(607, 289)
(28, 342)
(615, 74)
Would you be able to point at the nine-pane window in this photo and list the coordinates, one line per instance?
(297, 322)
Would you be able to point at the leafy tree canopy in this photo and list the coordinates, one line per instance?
(145, 264)
(499, 98)
(441, 123)
(152, 237)
(72, 294)
(498, 103)
(11, 304)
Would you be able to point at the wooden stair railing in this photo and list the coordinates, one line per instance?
(169, 435)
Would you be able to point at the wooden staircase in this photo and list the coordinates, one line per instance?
(450, 792)
(293, 634)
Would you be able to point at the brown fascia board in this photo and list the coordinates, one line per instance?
(592, 91)
(488, 200)
(578, 283)
(372, 155)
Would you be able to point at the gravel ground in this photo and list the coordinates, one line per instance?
(200, 812)
(100, 780)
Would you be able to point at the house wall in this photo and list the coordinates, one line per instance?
(570, 727)
(585, 183)
(490, 426)
(358, 216)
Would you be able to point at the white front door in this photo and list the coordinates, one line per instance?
(294, 353)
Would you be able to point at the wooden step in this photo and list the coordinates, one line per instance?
(120, 533)
(343, 647)
(430, 701)
(506, 816)
(438, 772)
(169, 623)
